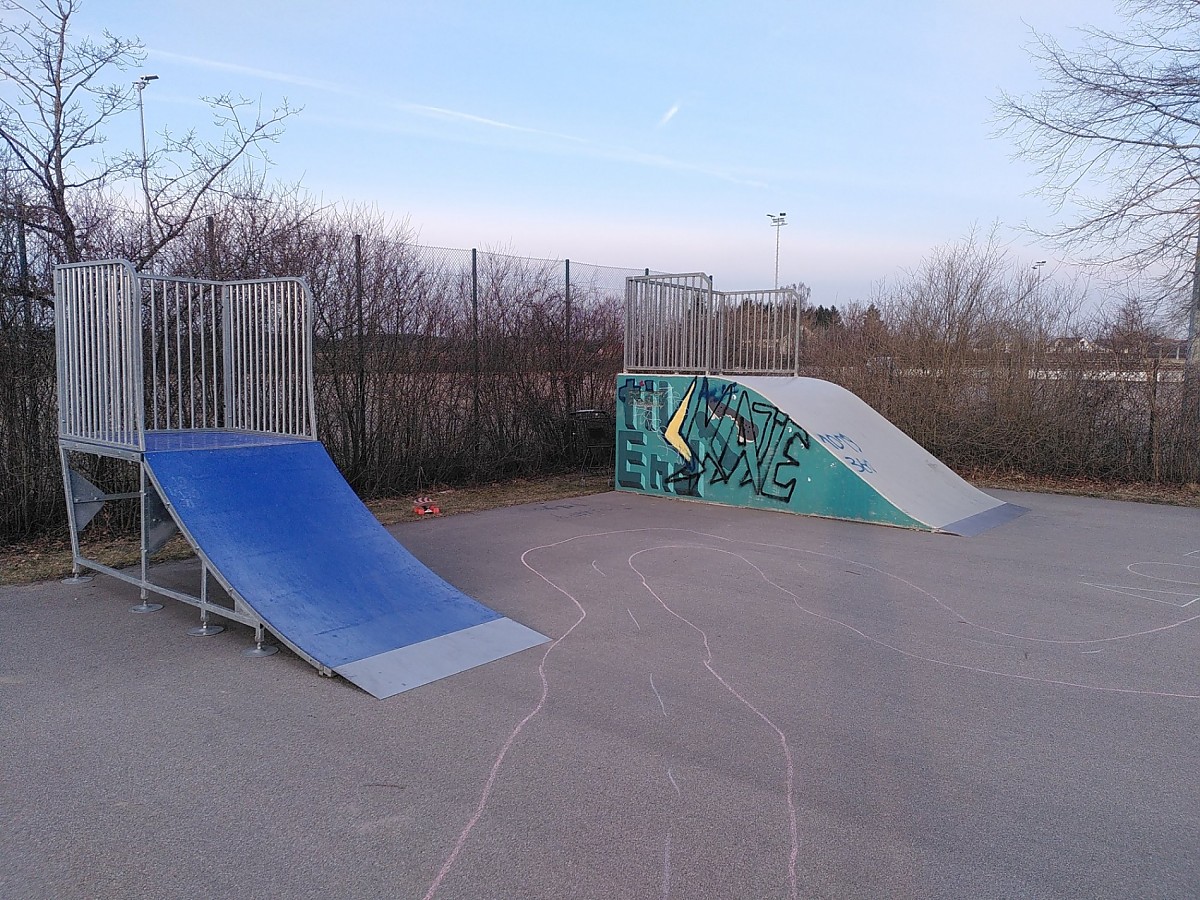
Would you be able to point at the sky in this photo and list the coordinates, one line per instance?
(639, 134)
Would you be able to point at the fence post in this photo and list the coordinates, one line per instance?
(475, 355)
(798, 324)
(359, 430)
(211, 225)
(568, 371)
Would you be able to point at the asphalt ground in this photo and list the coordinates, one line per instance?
(736, 704)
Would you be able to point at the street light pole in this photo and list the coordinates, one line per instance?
(778, 220)
(1037, 284)
(140, 85)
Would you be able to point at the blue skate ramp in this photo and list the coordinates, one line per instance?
(286, 536)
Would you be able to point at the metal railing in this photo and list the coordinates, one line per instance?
(268, 357)
(183, 323)
(139, 351)
(669, 323)
(678, 323)
(98, 339)
(759, 331)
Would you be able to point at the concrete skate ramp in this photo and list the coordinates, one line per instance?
(801, 445)
(286, 536)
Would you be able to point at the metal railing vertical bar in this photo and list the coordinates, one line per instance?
(267, 299)
(214, 299)
(270, 329)
(262, 394)
(178, 372)
(266, 386)
(295, 390)
(288, 330)
(89, 360)
(191, 357)
(107, 413)
(253, 407)
(760, 322)
(205, 324)
(227, 353)
(165, 300)
(154, 343)
(253, 385)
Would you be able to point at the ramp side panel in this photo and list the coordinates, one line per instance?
(712, 439)
(895, 465)
(286, 531)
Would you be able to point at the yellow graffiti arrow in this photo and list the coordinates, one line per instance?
(674, 438)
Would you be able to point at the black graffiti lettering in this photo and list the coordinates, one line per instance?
(629, 461)
(727, 436)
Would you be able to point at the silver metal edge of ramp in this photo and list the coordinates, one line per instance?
(395, 671)
(982, 521)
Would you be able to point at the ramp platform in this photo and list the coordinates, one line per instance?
(796, 444)
(283, 532)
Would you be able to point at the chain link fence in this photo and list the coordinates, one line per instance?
(438, 365)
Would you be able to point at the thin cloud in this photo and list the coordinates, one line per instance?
(433, 112)
(266, 74)
(437, 112)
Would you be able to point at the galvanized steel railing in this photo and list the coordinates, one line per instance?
(759, 331)
(183, 321)
(138, 351)
(669, 323)
(268, 357)
(98, 340)
(678, 323)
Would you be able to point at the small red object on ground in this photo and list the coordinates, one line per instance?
(423, 506)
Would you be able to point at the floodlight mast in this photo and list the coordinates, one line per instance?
(1037, 284)
(778, 220)
(140, 85)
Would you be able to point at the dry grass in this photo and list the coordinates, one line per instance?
(1171, 495)
(51, 558)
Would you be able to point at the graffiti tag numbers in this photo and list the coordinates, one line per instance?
(839, 442)
(859, 465)
(843, 442)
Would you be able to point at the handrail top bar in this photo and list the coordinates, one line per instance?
(670, 279)
(668, 276)
(297, 279)
(100, 262)
(183, 279)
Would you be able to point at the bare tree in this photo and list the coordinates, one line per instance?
(1116, 135)
(55, 104)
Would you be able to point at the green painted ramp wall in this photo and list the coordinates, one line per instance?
(713, 439)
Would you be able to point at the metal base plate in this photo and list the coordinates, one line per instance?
(259, 650)
(146, 606)
(205, 630)
(78, 579)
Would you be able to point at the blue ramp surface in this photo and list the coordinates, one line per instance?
(285, 533)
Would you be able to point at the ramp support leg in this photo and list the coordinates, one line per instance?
(145, 606)
(205, 628)
(77, 577)
(261, 647)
